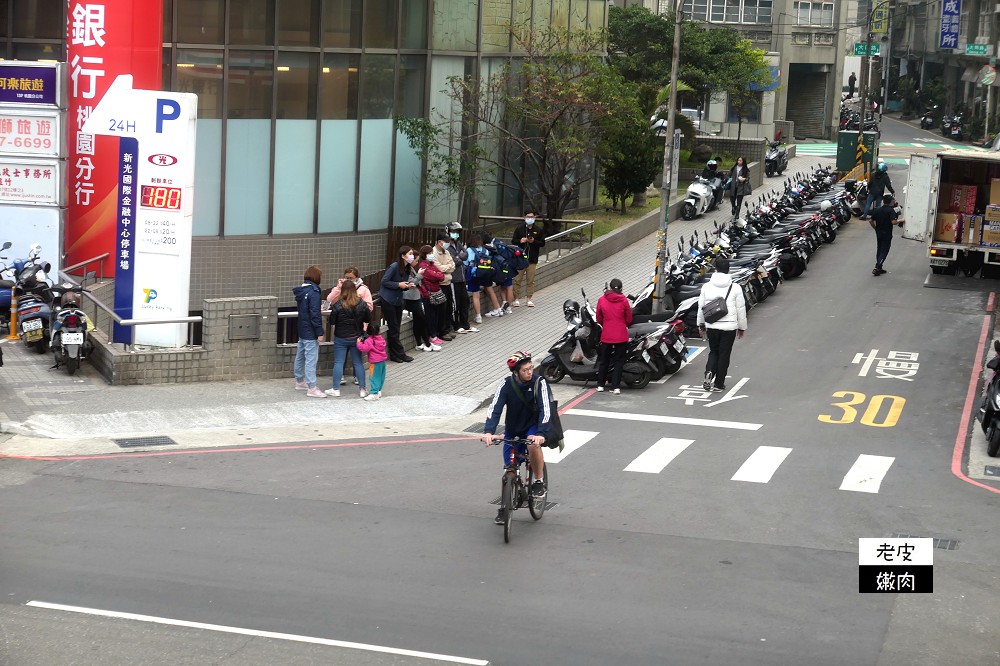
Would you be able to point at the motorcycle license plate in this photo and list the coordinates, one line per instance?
(72, 338)
(645, 356)
(664, 347)
(938, 262)
(679, 346)
(32, 336)
(31, 325)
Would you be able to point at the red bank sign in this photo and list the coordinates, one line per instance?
(104, 38)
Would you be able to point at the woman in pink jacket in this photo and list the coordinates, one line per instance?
(374, 346)
(431, 283)
(351, 273)
(614, 314)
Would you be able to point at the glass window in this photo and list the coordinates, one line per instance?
(248, 175)
(252, 22)
(410, 94)
(726, 11)
(696, 9)
(377, 86)
(36, 51)
(455, 25)
(200, 72)
(342, 23)
(297, 80)
(376, 163)
(294, 175)
(757, 11)
(298, 23)
(445, 209)
(40, 19)
(406, 191)
(751, 112)
(168, 20)
(208, 175)
(380, 24)
(415, 24)
(200, 21)
(4, 9)
(251, 75)
(496, 25)
(338, 175)
(340, 86)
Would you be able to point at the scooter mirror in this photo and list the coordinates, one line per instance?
(6, 246)
(47, 267)
(996, 346)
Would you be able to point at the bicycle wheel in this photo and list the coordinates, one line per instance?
(537, 506)
(507, 503)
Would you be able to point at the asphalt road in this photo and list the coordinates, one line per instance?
(728, 538)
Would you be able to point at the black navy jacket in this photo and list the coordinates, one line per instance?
(520, 416)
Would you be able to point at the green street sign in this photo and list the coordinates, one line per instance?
(976, 49)
(873, 49)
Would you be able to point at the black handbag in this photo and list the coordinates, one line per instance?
(437, 298)
(554, 438)
(716, 309)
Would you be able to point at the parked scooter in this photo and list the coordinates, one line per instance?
(927, 120)
(775, 159)
(6, 287)
(69, 342)
(34, 301)
(952, 127)
(989, 408)
(575, 352)
(698, 200)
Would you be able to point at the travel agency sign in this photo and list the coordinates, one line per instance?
(155, 172)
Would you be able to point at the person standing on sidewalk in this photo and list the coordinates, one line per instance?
(459, 291)
(446, 264)
(883, 219)
(878, 183)
(481, 272)
(374, 345)
(851, 82)
(739, 184)
(348, 318)
(391, 299)
(307, 297)
(614, 314)
(529, 236)
(431, 294)
(723, 332)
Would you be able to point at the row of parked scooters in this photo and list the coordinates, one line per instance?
(773, 241)
(47, 316)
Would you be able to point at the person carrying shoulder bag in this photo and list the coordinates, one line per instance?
(722, 318)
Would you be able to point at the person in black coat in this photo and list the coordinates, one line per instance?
(394, 283)
(529, 236)
(739, 184)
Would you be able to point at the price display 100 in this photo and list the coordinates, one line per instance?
(155, 196)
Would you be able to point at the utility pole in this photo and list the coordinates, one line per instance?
(863, 90)
(668, 162)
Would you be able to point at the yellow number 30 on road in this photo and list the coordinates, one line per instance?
(871, 412)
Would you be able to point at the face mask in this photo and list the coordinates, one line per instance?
(454, 236)
(445, 246)
(409, 258)
(529, 221)
(357, 283)
(429, 258)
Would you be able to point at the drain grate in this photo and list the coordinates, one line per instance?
(133, 442)
(476, 428)
(548, 504)
(941, 544)
(992, 470)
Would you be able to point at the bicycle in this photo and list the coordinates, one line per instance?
(515, 489)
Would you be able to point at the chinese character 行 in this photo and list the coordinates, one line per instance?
(90, 74)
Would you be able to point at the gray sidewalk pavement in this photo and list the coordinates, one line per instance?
(39, 403)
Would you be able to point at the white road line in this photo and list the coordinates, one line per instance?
(886, 143)
(917, 145)
(658, 456)
(260, 634)
(866, 475)
(572, 440)
(762, 464)
(654, 418)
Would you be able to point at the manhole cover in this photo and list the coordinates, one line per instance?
(476, 428)
(941, 544)
(133, 442)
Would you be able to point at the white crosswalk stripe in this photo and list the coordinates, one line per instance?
(762, 464)
(659, 455)
(572, 440)
(866, 475)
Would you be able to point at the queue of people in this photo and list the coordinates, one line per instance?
(434, 284)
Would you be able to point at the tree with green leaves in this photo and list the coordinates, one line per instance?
(743, 78)
(630, 159)
(532, 126)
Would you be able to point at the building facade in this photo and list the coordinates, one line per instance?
(299, 160)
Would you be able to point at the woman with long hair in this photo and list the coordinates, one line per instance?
(739, 184)
(394, 285)
(430, 284)
(348, 318)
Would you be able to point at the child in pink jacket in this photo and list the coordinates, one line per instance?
(374, 345)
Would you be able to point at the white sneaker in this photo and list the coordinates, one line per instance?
(301, 386)
(423, 348)
(509, 310)
(530, 304)
(372, 397)
(334, 392)
(362, 393)
(435, 347)
(479, 320)
(495, 313)
(600, 389)
(315, 393)
(517, 303)
(473, 329)
(462, 331)
(617, 392)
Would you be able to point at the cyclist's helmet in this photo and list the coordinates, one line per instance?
(825, 206)
(883, 167)
(517, 359)
(571, 309)
(712, 164)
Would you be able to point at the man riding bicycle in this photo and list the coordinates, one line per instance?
(529, 416)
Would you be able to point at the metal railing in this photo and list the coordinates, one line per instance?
(566, 233)
(190, 321)
(501, 221)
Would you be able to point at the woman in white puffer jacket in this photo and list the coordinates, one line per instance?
(722, 333)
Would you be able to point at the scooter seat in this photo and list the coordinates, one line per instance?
(637, 330)
(658, 317)
(7, 284)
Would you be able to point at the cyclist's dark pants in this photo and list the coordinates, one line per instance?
(522, 447)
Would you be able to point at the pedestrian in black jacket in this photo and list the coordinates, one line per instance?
(348, 318)
(307, 297)
(529, 236)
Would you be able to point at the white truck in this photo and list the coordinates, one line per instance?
(953, 202)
